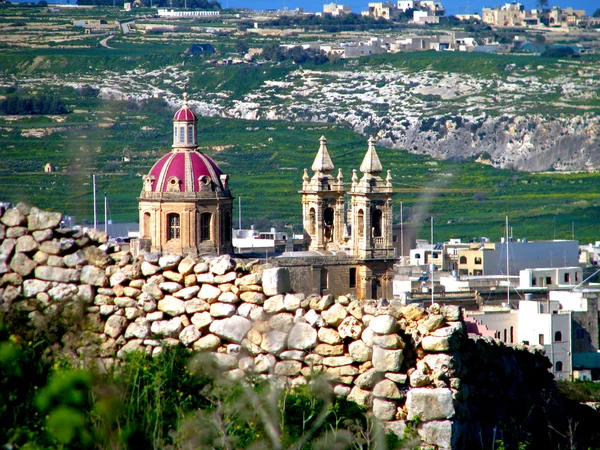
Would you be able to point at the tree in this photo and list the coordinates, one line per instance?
(542, 4)
(242, 47)
(596, 13)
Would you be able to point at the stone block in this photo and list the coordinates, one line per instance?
(187, 293)
(221, 265)
(302, 336)
(189, 335)
(42, 220)
(387, 389)
(49, 273)
(13, 218)
(274, 342)
(387, 360)
(207, 343)
(288, 368)
(276, 281)
(350, 328)
(384, 409)
(384, 324)
(329, 350)
(222, 310)
(360, 396)
(115, 326)
(359, 351)
(334, 315)
(202, 319)
(438, 433)
(329, 336)
(430, 404)
(22, 264)
(232, 329)
(171, 306)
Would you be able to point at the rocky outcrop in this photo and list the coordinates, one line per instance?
(412, 367)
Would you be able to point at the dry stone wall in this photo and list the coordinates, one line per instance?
(407, 364)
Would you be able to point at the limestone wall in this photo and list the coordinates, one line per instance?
(406, 363)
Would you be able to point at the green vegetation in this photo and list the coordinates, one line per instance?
(120, 139)
(580, 391)
(175, 400)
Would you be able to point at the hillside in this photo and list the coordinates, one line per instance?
(262, 124)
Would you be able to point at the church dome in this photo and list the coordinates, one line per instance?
(185, 171)
(184, 114)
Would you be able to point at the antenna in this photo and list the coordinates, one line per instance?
(240, 212)
(95, 212)
(105, 213)
(507, 267)
(401, 232)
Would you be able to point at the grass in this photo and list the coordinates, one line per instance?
(266, 158)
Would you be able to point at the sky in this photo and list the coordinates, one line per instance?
(452, 6)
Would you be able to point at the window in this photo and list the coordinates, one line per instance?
(526, 342)
(205, 219)
(175, 134)
(558, 336)
(227, 231)
(512, 335)
(567, 277)
(174, 226)
(376, 222)
(534, 281)
(505, 335)
(462, 260)
(558, 367)
(478, 260)
(146, 226)
(328, 223)
(324, 278)
(312, 218)
(190, 139)
(360, 226)
(352, 277)
(548, 281)
(182, 134)
(541, 339)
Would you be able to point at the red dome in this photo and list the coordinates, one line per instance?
(184, 114)
(187, 167)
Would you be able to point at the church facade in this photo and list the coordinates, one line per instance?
(350, 244)
(185, 207)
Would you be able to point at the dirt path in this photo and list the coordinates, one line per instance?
(104, 42)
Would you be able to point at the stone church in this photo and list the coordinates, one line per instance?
(185, 204)
(186, 207)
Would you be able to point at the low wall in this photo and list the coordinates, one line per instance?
(407, 364)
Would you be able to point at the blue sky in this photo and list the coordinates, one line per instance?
(452, 6)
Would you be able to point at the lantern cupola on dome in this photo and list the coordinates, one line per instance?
(184, 127)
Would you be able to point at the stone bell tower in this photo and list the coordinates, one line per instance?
(323, 203)
(371, 209)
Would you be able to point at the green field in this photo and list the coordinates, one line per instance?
(119, 140)
(266, 160)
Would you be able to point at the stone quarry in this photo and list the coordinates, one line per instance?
(409, 365)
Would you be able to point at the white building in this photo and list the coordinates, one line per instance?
(260, 243)
(545, 324)
(172, 14)
(336, 10)
(556, 276)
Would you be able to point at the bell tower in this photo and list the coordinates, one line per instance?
(323, 203)
(371, 209)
